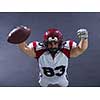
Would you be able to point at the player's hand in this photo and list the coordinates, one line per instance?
(82, 34)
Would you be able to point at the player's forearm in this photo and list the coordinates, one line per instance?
(23, 47)
(83, 44)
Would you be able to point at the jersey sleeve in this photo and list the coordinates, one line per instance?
(30, 45)
(38, 48)
(70, 44)
(67, 46)
(36, 45)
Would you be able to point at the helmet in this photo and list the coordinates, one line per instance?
(53, 35)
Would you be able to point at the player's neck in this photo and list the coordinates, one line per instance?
(53, 55)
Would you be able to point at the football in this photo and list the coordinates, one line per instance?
(19, 34)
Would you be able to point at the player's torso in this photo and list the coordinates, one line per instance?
(46, 60)
(53, 70)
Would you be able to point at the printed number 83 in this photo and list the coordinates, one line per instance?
(58, 71)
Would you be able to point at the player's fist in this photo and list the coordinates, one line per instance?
(82, 34)
(19, 34)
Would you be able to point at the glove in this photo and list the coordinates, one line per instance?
(82, 34)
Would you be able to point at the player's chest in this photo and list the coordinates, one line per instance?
(48, 60)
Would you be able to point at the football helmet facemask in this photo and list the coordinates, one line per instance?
(53, 35)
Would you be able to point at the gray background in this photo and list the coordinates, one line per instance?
(17, 69)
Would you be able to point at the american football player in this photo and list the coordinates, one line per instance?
(53, 55)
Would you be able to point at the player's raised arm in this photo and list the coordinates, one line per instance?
(83, 44)
(29, 51)
(18, 36)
